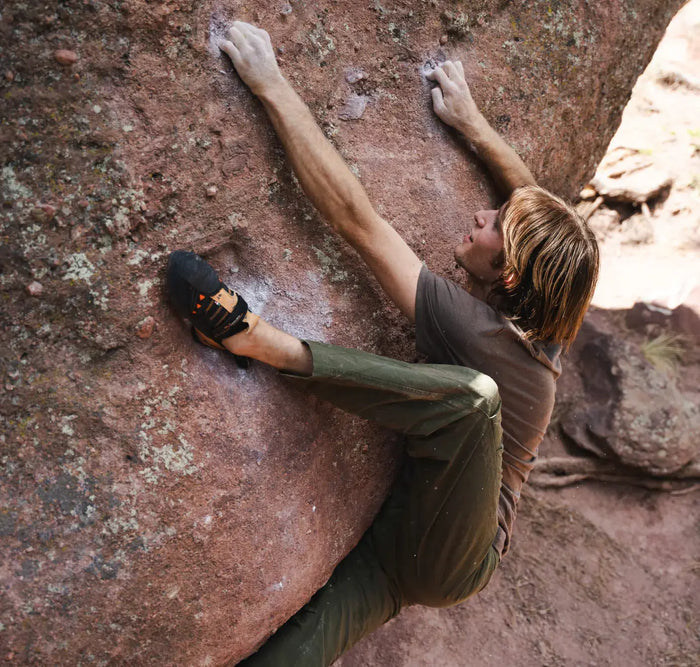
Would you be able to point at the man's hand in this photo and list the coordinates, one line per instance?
(452, 100)
(251, 51)
(454, 105)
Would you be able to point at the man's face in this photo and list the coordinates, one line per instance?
(481, 252)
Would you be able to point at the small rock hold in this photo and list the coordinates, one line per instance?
(43, 212)
(77, 232)
(9, 76)
(212, 190)
(35, 288)
(443, 39)
(354, 75)
(286, 9)
(354, 108)
(65, 57)
(144, 329)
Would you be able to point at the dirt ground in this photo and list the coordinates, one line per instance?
(599, 574)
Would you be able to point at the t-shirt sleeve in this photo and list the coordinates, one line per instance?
(448, 317)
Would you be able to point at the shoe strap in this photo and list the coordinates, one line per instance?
(225, 299)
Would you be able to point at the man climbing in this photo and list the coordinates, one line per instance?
(472, 418)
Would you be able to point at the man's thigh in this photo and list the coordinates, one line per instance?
(436, 530)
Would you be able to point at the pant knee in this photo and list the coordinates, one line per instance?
(480, 391)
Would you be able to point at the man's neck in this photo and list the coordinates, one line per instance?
(479, 290)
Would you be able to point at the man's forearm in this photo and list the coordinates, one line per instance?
(504, 164)
(323, 174)
(454, 105)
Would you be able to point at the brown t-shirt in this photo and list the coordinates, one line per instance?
(453, 327)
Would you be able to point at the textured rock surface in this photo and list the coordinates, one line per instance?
(632, 410)
(159, 506)
(626, 176)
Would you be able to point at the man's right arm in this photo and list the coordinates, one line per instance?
(453, 103)
(323, 174)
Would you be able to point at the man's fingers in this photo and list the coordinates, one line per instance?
(230, 49)
(449, 68)
(248, 31)
(235, 36)
(438, 101)
(458, 65)
(438, 75)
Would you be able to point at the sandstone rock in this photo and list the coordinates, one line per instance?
(159, 511)
(637, 229)
(146, 327)
(35, 288)
(354, 75)
(685, 317)
(588, 192)
(603, 221)
(643, 314)
(632, 410)
(354, 108)
(630, 177)
(65, 57)
(44, 212)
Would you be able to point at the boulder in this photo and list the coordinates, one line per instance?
(629, 177)
(632, 409)
(158, 505)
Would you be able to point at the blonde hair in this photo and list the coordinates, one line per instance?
(550, 266)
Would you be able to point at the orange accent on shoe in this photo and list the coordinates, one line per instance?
(208, 341)
(201, 297)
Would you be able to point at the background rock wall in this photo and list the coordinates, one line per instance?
(158, 505)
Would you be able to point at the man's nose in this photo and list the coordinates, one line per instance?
(479, 218)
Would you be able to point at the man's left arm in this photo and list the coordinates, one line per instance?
(454, 105)
(323, 174)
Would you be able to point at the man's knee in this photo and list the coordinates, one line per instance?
(479, 391)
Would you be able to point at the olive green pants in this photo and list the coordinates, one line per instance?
(431, 542)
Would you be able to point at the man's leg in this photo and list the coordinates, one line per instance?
(431, 542)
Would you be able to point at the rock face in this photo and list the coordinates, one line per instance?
(157, 504)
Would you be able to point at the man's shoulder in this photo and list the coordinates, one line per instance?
(453, 326)
(452, 299)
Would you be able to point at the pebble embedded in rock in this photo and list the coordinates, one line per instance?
(35, 288)
(354, 75)
(144, 329)
(43, 212)
(286, 9)
(443, 39)
(212, 191)
(353, 108)
(65, 57)
(9, 76)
